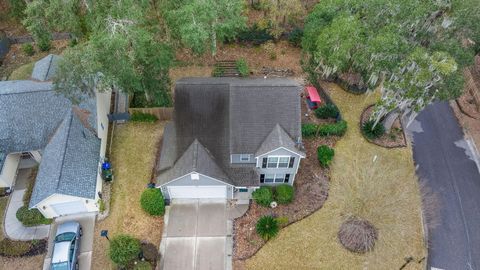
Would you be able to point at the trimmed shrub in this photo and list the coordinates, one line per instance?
(143, 117)
(327, 111)
(27, 48)
(242, 67)
(267, 227)
(309, 130)
(337, 129)
(263, 196)
(295, 37)
(325, 155)
(372, 132)
(142, 266)
(31, 217)
(152, 202)
(123, 249)
(284, 194)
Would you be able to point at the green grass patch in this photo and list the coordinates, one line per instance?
(22, 73)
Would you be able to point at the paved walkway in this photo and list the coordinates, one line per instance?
(447, 166)
(197, 236)
(14, 229)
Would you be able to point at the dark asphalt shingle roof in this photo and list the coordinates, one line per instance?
(277, 138)
(231, 116)
(195, 159)
(168, 153)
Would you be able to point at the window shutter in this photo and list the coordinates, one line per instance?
(287, 177)
(262, 178)
(292, 160)
(264, 162)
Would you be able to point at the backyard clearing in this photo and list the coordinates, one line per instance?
(395, 210)
(134, 149)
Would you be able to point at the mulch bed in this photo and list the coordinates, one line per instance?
(395, 139)
(37, 247)
(308, 116)
(311, 191)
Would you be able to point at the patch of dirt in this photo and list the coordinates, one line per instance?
(16, 57)
(467, 105)
(311, 191)
(24, 263)
(395, 139)
(470, 125)
(287, 57)
(308, 115)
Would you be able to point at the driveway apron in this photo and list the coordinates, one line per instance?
(196, 236)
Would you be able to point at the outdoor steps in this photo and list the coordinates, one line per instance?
(229, 68)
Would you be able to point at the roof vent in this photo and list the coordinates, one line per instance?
(195, 176)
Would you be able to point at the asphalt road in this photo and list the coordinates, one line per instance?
(446, 166)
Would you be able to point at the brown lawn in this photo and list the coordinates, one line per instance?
(133, 156)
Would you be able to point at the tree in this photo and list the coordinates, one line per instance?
(373, 37)
(278, 12)
(201, 24)
(121, 52)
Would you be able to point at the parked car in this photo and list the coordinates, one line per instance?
(313, 98)
(66, 246)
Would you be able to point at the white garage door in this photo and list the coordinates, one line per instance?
(198, 192)
(69, 208)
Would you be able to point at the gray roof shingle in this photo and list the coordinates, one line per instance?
(195, 158)
(45, 68)
(70, 164)
(231, 116)
(277, 138)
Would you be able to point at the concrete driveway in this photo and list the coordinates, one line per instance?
(87, 221)
(197, 236)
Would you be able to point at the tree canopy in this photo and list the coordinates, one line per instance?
(415, 51)
(199, 25)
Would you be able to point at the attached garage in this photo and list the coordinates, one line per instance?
(69, 208)
(197, 192)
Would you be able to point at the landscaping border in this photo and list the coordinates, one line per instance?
(405, 143)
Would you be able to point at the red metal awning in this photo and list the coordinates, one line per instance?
(313, 94)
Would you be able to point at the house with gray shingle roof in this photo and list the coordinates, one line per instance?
(68, 141)
(230, 136)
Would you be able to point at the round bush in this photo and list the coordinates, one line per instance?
(284, 194)
(152, 202)
(28, 49)
(372, 132)
(267, 227)
(358, 235)
(325, 155)
(31, 217)
(124, 249)
(327, 111)
(263, 196)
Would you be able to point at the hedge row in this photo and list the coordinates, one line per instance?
(336, 129)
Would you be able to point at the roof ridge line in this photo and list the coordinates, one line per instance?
(195, 154)
(64, 150)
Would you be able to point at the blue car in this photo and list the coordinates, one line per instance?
(66, 247)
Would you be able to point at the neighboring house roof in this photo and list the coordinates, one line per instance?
(70, 162)
(45, 68)
(195, 159)
(276, 139)
(30, 112)
(231, 116)
(34, 117)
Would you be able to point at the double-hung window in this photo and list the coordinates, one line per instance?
(278, 162)
(279, 177)
(269, 178)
